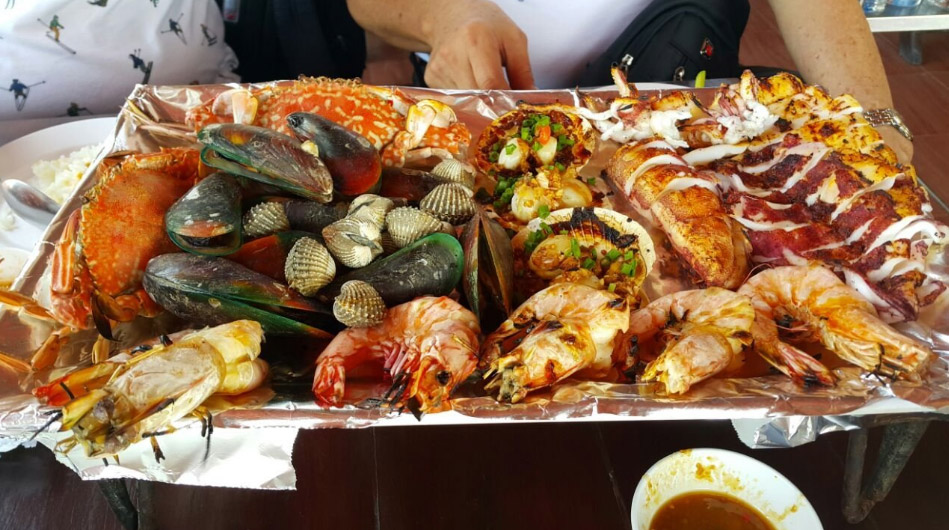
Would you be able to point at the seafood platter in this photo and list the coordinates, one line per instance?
(325, 253)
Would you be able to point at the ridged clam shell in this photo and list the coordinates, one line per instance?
(359, 305)
(309, 266)
(372, 208)
(388, 244)
(264, 219)
(450, 202)
(455, 171)
(355, 243)
(408, 224)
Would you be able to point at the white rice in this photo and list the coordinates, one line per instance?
(56, 178)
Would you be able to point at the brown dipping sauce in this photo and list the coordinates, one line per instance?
(707, 510)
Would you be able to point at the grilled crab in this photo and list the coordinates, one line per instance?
(100, 259)
(401, 128)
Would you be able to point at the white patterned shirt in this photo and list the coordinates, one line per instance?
(71, 57)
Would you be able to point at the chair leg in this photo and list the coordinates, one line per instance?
(117, 495)
(911, 50)
(899, 442)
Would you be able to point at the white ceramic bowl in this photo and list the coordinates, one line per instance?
(734, 474)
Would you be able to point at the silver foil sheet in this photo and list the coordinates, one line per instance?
(252, 447)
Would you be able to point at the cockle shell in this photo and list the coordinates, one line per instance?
(354, 242)
(455, 171)
(309, 266)
(372, 208)
(264, 219)
(408, 224)
(388, 244)
(359, 305)
(451, 203)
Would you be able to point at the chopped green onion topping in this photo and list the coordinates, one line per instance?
(633, 265)
(588, 263)
(525, 134)
(613, 254)
(536, 146)
(563, 232)
(543, 120)
(543, 211)
(546, 229)
(509, 148)
(611, 287)
(493, 156)
(560, 167)
(629, 255)
(575, 248)
(627, 269)
(556, 128)
(591, 181)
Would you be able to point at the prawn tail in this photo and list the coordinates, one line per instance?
(802, 368)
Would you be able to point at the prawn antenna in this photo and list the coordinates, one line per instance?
(415, 408)
(753, 270)
(207, 427)
(56, 416)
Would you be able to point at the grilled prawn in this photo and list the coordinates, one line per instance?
(836, 316)
(146, 394)
(428, 346)
(701, 333)
(565, 329)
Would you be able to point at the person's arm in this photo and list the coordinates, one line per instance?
(472, 42)
(831, 44)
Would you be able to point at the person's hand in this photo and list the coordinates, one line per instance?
(897, 142)
(473, 42)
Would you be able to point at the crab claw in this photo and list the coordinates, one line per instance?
(239, 103)
(427, 113)
(352, 161)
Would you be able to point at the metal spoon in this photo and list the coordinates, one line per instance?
(28, 202)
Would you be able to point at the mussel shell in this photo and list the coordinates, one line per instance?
(309, 266)
(359, 305)
(351, 159)
(266, 218)
(409, 184)
(452, 203)
(489, 267)
(212, 291)
(312, 216)
(408, 224)
(372, 208)
(268, 255)
(452, 170)
(430, 266)
(355, 243)
(266, 156)
(207, 219)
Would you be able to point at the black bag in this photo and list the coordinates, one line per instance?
(674, 40)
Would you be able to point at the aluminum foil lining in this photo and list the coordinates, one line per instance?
(252, 447)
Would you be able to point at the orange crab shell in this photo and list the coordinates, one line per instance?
(119, 229)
